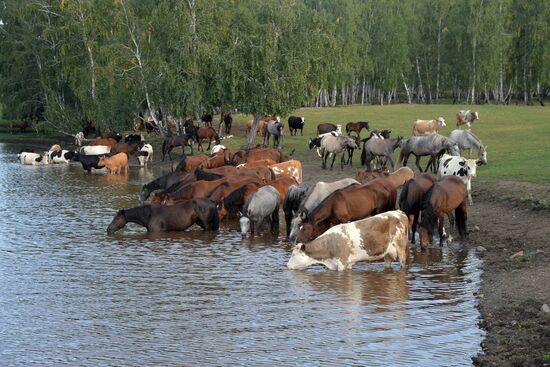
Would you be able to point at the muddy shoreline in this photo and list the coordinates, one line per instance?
(506, 218)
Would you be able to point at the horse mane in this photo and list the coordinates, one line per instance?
(143, 213)
(223, 184)
(230, 200)
(181, 165)
(429, 217)
(207, 176)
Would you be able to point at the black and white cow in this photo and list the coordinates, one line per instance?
(61, 156)
(461, 167)
(90, 161)
(296, 123)
(145, 154)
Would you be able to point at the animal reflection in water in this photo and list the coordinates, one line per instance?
(383, 236)
(161, 218)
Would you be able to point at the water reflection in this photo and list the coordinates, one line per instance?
(71, 295)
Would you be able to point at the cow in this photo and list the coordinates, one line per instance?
(90, 161)
(133, 138)
(383, 236)
(296, 123)
(291, 168)
(34, 159)
(60, 156)
(145, 154)
(466, 117)
(94, 149)
(463, 168)
(428, 127)
(116, 163)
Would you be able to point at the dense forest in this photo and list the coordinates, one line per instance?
(68, 62)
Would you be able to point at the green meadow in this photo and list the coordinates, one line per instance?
(516, 136)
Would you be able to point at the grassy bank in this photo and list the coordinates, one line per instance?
(516, 136)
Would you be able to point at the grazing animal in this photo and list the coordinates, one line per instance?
(189, 163)
(207, 133)
(326, 128)
(95, 149)
(60, 156)
(295, 196)
(227, 120)
(363, 176)
(262, 205)
(34, 159)
(161, 218)
(291, 168)
(133, 138)
(116, 163)
(466, 117)
(207, 119)
(465, 139)
(164, 182)
(145, 154)
(411, 199)
(383, 236)
(428, 127)
(262, 173)
(128, 148)
(258, 163)
(444, 196)
(374, 148)
(176, 141)
(335, 145)
(296, 123)
(356, 127)
(90, 161)
(347, 204)
(217, 160)
(262, 122)
(397, 178)
(234, 201)
(422, 145)
(319, 192)
(463, 168)
(276, 129)
(256, 154)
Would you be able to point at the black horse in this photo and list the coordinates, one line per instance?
(227, 120)
(182, 141)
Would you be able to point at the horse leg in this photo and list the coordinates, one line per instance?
(324, 160)
(417, 163)
(342, 159)
(209, 142)
(441, 220)
(414, 226)
(275, 220)
(388, 157)
(333, 159)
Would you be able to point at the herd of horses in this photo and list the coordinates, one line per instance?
(252, 185)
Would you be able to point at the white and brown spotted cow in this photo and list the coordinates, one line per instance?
(383, 236)
(461, 167)
(291, 168)
(466, 117)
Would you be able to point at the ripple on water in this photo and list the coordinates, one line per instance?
(73, 296)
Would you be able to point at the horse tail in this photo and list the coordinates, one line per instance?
(429, 217)
(363, 156)
(215, 219)
(460, 217)
(404, 204)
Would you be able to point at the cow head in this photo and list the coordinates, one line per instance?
(299, 259)
(441, 121)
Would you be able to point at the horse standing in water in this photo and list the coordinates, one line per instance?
(445, 195)
(161, 218)
(176, 141)
(412, 198)
(262, 205)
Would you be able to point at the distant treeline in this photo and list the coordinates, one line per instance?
(69, 62)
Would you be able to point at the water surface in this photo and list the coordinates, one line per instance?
(71, 295)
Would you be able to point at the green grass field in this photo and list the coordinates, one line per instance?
(516, 136)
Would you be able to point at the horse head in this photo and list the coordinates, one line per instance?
(118, 222)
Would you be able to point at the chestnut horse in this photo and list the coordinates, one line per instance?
(207, 133)
(159, 218)
(189, 163)
(445, 195)
(412, 198)
(356, 127)
(235, 200)
(348, 204)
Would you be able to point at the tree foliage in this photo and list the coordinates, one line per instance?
(68, 63)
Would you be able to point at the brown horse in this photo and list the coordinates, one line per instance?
(397, 178)
(217, 160)
(159, 218)
(412, 198)
(363, 175)
(207, 133)
(356, 127)
(445, 195)
(259, 163)
(235, 200)
(348, 204)
(110, 142)
(128, 148)
(189, 163)
(282, 184)
(263, 173)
